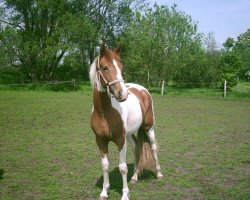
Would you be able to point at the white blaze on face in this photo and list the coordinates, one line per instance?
(119, 76)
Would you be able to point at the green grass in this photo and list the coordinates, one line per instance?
(48, 150)
(242, 87)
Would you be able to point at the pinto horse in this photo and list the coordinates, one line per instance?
(121, 112)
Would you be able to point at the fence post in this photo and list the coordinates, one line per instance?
(237, 88)
(74, 82)
(225, 88)
(162, 87)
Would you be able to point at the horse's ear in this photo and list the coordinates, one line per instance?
(103, 48)
(117, 49)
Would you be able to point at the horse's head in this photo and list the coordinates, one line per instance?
(109, 70)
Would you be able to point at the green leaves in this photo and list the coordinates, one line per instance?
(157, 43)
(58, 39)
(235, 60)
(242, 47)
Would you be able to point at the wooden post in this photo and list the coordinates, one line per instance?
(162, 87)
(237, 88)
(225, 88)
(74, 82)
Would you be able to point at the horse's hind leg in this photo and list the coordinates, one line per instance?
(151, 137)
(132, 141)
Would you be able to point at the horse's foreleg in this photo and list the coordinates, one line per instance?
(151, 137)
(103, 147)
(132, 141)
(105, 169)
(124, 171)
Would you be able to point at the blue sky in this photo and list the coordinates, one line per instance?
(226, 18)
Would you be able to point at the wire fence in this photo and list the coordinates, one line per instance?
(204, 89)
(50, 85)
(243, 88)
(211, 89)
(41, 83)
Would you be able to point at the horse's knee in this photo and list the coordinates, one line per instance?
(105, 167)
(123, 168)
(105, 164)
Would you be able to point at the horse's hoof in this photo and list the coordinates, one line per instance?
(133, 181)
(125, 197)
(160, 177)
(103, 198)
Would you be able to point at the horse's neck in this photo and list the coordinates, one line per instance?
(102, 101)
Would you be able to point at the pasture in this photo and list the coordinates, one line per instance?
(48, 150)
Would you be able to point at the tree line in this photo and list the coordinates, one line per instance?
(43, 40)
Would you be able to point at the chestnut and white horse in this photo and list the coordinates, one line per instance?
(121, 112)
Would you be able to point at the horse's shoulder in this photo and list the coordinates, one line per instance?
(139, 91)
(135, 86)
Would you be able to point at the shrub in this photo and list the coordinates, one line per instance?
(10, 75)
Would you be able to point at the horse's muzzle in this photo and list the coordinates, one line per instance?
(121, 96)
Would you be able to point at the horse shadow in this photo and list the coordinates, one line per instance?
(115, 178)
(1, 173)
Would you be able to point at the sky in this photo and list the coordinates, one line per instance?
(226, 18)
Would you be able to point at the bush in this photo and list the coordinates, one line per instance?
(67, 86)
(231, 80)
(10, 75)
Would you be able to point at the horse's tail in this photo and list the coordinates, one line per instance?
(144, 153)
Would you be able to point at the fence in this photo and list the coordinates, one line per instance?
(52, 85)
(219, 90)
(42, 83)
(214, 89)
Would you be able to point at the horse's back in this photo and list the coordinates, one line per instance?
(142, 95)
(145, 103)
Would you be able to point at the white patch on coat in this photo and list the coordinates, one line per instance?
(130, 111)
(136, 86)
(106, 184)
(105, 163)
(140, 87)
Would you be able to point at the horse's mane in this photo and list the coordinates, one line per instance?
(93, 74)
(94, 77)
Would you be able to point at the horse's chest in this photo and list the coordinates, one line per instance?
(107, 123)
(130, 112)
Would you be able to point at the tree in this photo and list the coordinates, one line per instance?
(229, 44)
(108, 19)
(49, 32)
(242, 47)
(39, 45)
(210, 44)
(7, 50)
(230, 63)
(235, 60)
(211, 65)
(157, 43)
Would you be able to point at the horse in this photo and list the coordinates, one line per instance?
(122, 112)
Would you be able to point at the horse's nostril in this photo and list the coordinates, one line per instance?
(120, 93)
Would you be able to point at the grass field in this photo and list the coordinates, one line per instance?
(48, 150)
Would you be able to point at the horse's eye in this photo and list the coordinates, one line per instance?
(105, 68)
